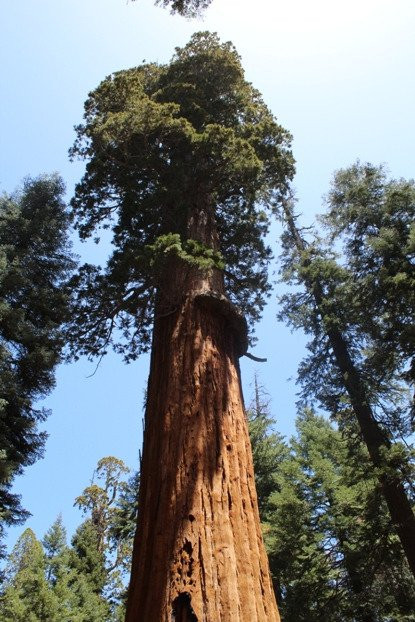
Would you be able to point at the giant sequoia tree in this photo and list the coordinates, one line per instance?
(186, 164)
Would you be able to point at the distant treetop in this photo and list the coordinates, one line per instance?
(187, 8)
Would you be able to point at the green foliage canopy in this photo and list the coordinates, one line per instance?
(367, 293)
(28, 596)
(162, 143)
(373, 218)
(332, 551)
(103, 543)
(359, 364)
(84, 582)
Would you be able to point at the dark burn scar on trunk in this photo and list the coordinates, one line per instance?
(182, 609)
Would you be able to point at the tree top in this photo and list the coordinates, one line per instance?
(163, 142)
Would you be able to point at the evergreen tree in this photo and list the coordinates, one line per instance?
(124, 518)
(352, 515)
(88, 573)
(187, 8)
(332, 551)
(304, 578)
(34, 264)
(373, 218)
(69, 578)
(269, 451)
(84, 582)
(303, 574)
(342, 369)
(122, 529)
(65, 585)
(100, 500)
(183, 161)
(103, 544)
(27, 596)
(90, 576)
(54, 544)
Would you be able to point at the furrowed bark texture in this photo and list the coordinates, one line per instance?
(198, 552)
(199, 545)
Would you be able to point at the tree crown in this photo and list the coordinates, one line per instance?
(162, 143)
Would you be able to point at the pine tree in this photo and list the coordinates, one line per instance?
(88, 574)
(76, 600)
(84, 582)
(332, 551)
(54, 544)
(340, 369)
(373, 218)
(112, 515)
(99, 501)
(269, 450)
(124, 518)
(27, 596)
(185, 158)
(34, 263)
(353, 517)
(304, 578)
(121, 534)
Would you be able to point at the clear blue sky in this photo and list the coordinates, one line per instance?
(339, 76)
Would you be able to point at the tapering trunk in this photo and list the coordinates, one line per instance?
(374, 437)
(377, 442)
(198, 551)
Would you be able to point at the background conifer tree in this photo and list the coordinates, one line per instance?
(27, 596)
(35, 262)
(359, 360)
(333, 552)
(102, 545)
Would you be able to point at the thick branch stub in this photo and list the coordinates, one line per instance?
(257, 359)
(182, 609)
(218, 303)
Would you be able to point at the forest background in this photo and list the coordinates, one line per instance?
(338, 77)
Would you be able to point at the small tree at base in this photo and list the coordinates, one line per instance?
(28, 595)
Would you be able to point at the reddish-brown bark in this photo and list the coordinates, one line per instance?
(198, 553)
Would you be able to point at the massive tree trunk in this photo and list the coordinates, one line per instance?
(198, 552)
